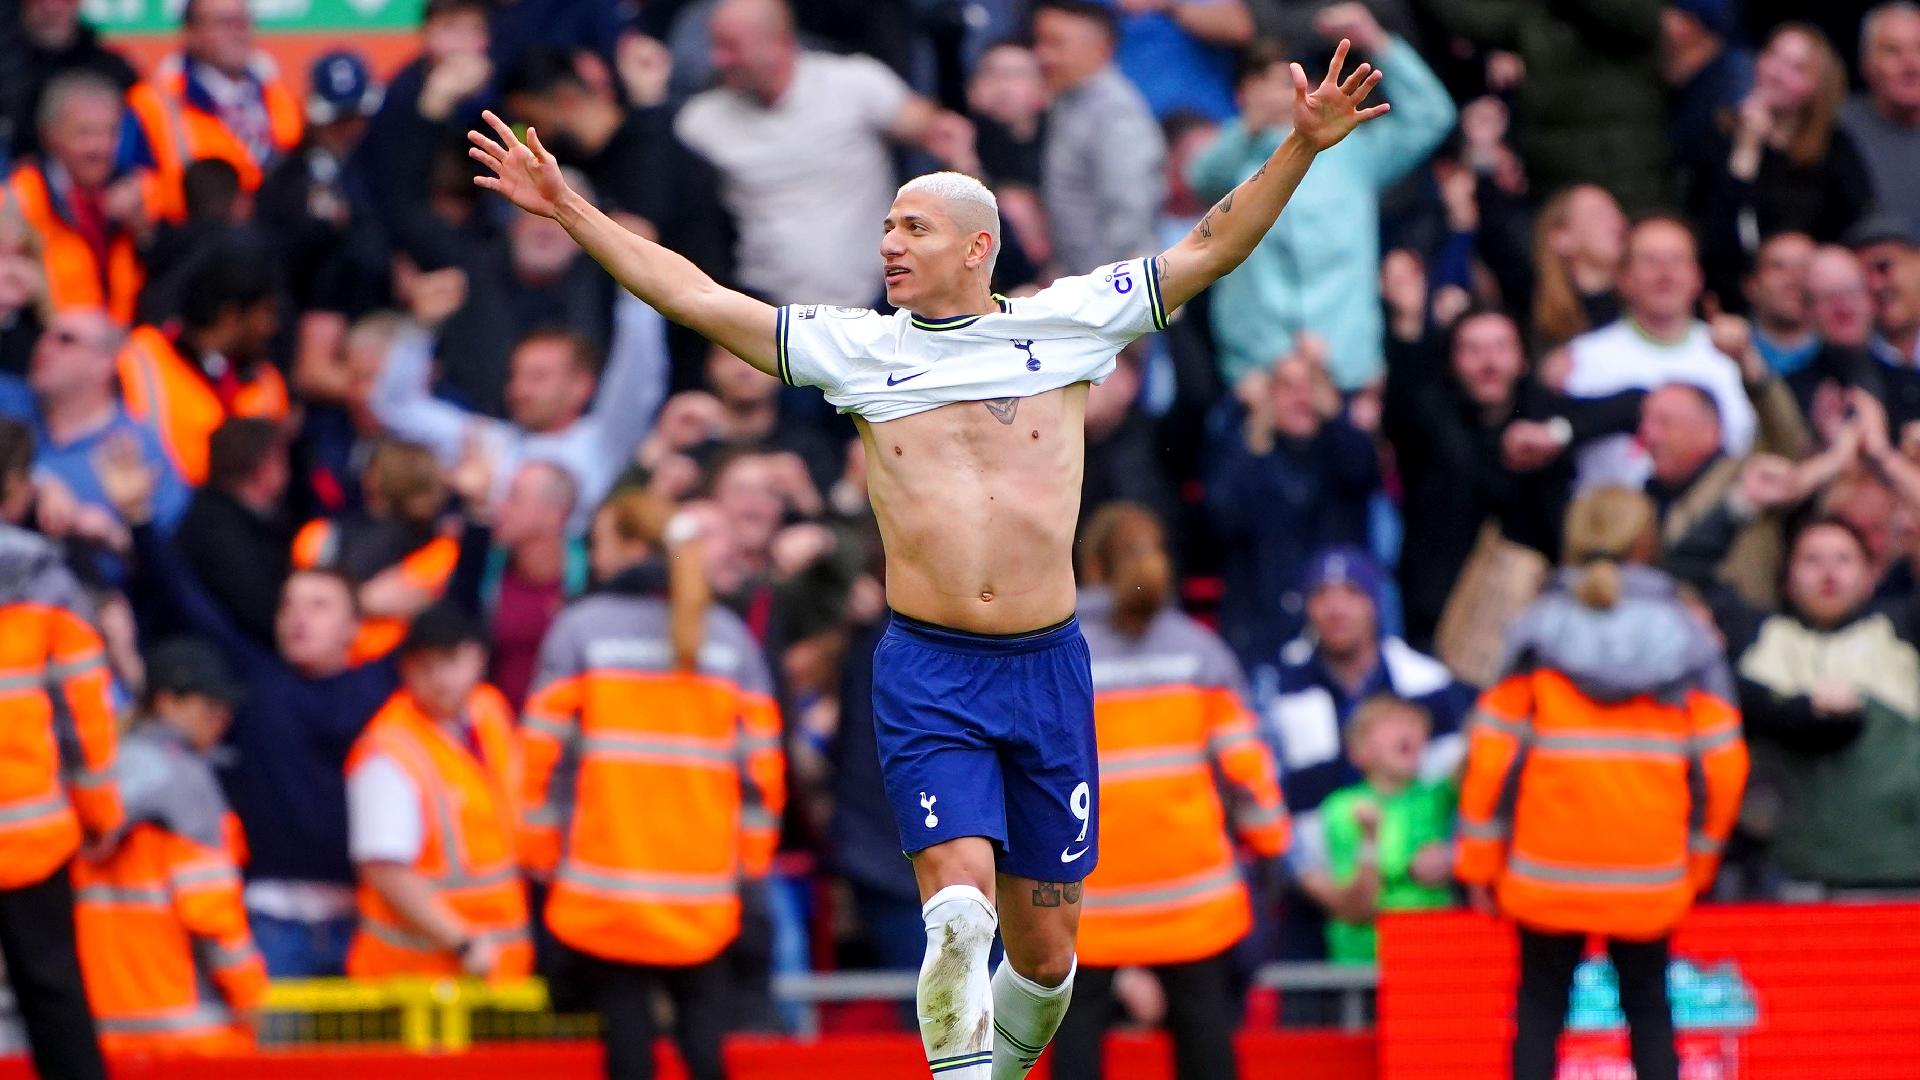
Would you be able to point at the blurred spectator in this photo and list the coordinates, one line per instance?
(1609, 648)
(1842, 312)
(216, 98)
(571, 25)
(1592, 108)
(1173, 732)
(1709, 70)
(1123, 457)
(1784, 166)
(23, 291)
(1308, 691)
(750, 414)
(186, 381)
(430, 817)
(1578, 243)
(318, 201)
(73, 383)
(1477, 437)
(1658, 340)
(1332, 221)
(1828, 693)
(532, 571)
(1283, 482)
(1885, 121)
(1889, 260)
(304, 707)
(1180, 55)
(90, 223)
(215, 218)
(49, 639)
(801, 141)
(335, 373)
(1006, 100)
(1382, 844)
(51, 41)
(426, 104)
(623, 669)
(391, 547)
(1101, 153)
(1779, 303)
(235, 536)
(149, 968)
(563, 404)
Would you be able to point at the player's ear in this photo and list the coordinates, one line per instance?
(980, 250)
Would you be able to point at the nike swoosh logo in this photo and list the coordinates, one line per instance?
(1064, 857)
(891, 381)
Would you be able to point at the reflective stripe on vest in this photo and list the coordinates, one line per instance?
(1482, 718)
(1560, 874)
(657, 887)
(395, 937)
(1151, 763)
(209, 875)
(542, 724)
(34, 810)
(221, 956)
(1159, 897)
(124, 896)
(199, 1016)
(665, 749)
(1608, 744)
(1701, 744)
(1483, 830)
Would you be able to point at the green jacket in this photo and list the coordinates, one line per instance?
(1593, 106)
(1419, 815)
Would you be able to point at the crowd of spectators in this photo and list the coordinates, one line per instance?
(1673, 247)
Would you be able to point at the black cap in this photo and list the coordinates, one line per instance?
(442, 626)
(1882, 227)
(191, 666)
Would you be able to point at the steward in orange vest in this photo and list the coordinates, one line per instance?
(187, 383)
(1181, 772)
(89, 224)
(1604, 772)
(169, 960)
(432, 820)
(392, 550)
(655, 783)
(217, 99)
(56, 786)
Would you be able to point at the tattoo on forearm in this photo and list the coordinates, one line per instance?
(1051, 894)
(1261, 171)
(1160, 266)
(1223, 207)
(1003, 409)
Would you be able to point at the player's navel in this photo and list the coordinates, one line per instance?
(1036, 434)
(986, 598)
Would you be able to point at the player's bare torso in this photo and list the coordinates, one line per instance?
(977, 503)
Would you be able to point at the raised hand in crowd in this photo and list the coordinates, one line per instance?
(127, 481)
(431, 296)
(1355, 22)
(453, 80)
(687, 420)
(645, 67)
(1531, 445)
(471, 478)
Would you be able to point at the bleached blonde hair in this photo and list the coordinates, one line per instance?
(968, 201)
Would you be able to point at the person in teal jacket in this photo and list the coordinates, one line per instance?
(1318, 268)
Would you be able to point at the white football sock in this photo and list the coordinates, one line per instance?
(955, 997)
(1025, 1016)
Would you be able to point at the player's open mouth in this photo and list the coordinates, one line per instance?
(895, 273)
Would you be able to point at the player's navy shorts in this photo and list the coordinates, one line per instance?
(992, 736)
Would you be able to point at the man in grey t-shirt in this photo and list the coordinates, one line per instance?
(1885, 122)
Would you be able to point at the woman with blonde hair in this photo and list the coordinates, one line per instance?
(1784, 164)
(1578, 241)
(1604, 773)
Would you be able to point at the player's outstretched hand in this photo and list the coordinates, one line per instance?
(524, 172)
(1324, 114)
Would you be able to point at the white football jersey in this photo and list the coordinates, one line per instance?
(883, 367)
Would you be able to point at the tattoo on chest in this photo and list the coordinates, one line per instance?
(1003, 409)
(1051, 894)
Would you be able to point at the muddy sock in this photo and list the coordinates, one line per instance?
(1025, 1016)
(955, 997)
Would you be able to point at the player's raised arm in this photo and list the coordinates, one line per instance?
(529, 176)
(1322, 116)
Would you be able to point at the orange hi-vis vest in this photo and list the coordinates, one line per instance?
(178, 133)
(164, 389)
(1172, 729)
(75, 277)
(428, 567)
(48, 650)
(651, 792)
(469, 854)
(1597, 817)
(164, 944)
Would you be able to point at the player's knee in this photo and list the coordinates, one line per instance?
(960, 921)
(1047, 967)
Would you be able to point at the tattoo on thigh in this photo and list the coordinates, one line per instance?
(1003, 409)
(1053, 894)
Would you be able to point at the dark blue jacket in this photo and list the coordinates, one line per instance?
(286, 753)
(1271, 512)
